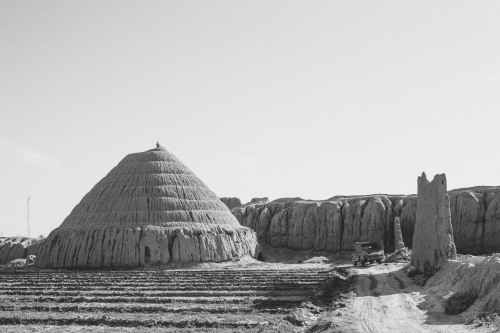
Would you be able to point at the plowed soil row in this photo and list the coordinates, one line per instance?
(153, 287)
(191, 293)
(162, 300)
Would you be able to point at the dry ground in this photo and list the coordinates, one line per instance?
(386, 300)
(246, 296)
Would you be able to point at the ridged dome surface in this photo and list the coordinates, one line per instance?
(150, 188)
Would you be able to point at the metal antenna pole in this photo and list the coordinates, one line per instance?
(28, 218)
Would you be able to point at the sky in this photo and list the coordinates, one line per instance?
(258, 98)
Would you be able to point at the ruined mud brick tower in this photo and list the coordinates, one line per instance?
(149, 209)
(433, 236)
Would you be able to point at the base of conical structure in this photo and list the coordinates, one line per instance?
(150, 245)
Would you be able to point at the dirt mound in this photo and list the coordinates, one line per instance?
(465, 286)
(301, 317)
(14, 265)
(397, 257)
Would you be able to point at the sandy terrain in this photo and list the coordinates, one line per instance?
(388, 301)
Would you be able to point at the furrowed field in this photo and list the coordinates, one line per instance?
(209, 300)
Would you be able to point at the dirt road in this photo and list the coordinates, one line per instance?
(388, 301)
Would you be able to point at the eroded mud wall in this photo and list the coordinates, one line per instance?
(15, 248)
(331, 225)
(334, 224)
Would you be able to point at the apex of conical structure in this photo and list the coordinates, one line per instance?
(150, 208)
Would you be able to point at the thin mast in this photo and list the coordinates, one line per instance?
(28, 218)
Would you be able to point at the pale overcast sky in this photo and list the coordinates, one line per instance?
(258, 98)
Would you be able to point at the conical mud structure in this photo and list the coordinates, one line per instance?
(149, 209)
